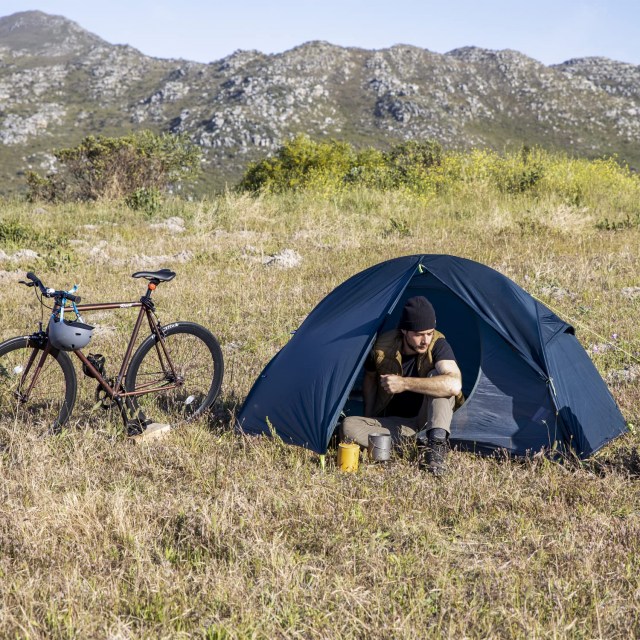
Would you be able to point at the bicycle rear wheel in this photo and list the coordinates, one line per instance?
(51, 400)
(197, 361)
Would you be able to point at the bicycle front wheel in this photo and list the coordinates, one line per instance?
(181, 383)
(46, 403)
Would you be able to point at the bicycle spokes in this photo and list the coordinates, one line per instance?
(35, 386)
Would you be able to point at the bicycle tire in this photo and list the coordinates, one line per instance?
(53, 397)
(197, 357)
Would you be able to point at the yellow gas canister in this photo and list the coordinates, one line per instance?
(348, 456)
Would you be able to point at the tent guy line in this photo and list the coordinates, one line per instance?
(582, 325)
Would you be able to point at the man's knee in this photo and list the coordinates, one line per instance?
(348, 427)
(358, 428)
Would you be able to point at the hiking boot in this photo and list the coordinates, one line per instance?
(433, 455)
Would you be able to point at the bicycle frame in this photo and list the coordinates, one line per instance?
(146, 309)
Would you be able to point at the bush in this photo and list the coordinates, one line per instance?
(413, 157)
(16, 234)
(136, 168)
(521, 172)
(303, 164)
(147, 199)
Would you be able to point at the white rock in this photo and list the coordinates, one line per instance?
(286, 259)
(24, 253)
(631, 292)
(174, 224)
(10, 276)
(628, 374)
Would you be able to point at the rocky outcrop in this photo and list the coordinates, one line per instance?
(59, 83)
(616, 78)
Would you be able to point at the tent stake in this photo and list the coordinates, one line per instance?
(322, 461)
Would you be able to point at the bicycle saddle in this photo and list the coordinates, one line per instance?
(164, 275)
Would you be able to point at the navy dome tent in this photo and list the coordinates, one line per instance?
(529, 383)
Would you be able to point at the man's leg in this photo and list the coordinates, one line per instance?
(434, 426)
(435, 413)
(358, 429)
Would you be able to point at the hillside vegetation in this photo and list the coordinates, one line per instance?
(60, 83)
(426, 170)
(209, 534)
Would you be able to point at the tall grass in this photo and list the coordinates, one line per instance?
(211, 534)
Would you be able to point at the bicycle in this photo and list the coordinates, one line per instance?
(177, 369)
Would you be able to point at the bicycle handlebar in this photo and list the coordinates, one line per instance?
(48, 293)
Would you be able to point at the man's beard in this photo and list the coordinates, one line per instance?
(408, 348)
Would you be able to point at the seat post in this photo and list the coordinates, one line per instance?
(146, 298)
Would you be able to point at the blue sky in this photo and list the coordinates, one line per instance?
(550, 31)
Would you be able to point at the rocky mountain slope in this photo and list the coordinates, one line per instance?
(59, 83)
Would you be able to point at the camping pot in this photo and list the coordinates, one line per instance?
(348, 456)
(379, 447)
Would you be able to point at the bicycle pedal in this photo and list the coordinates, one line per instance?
(136, 427)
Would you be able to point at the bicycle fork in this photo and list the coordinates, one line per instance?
(21, 393)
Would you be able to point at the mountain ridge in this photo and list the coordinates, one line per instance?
(59, 82)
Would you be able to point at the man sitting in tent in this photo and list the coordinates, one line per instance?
(412, 385)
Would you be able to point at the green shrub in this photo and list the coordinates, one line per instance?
(424, 169)
(369, 169)
(147, 199)
(12, 232)
(141, 163)
(302, 164)
(619, 225)
(397, 227)
(16, 234)
(411, 159)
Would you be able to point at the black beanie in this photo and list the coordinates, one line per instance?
(418, 315)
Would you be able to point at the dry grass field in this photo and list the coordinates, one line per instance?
(211, 534)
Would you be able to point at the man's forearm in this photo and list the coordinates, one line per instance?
(440, 386)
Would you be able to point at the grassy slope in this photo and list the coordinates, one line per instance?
(208, 534)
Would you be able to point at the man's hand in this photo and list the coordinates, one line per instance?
(393, 384)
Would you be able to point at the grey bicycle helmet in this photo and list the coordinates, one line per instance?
(69, 336)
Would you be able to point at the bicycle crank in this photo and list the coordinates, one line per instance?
(103, 399)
